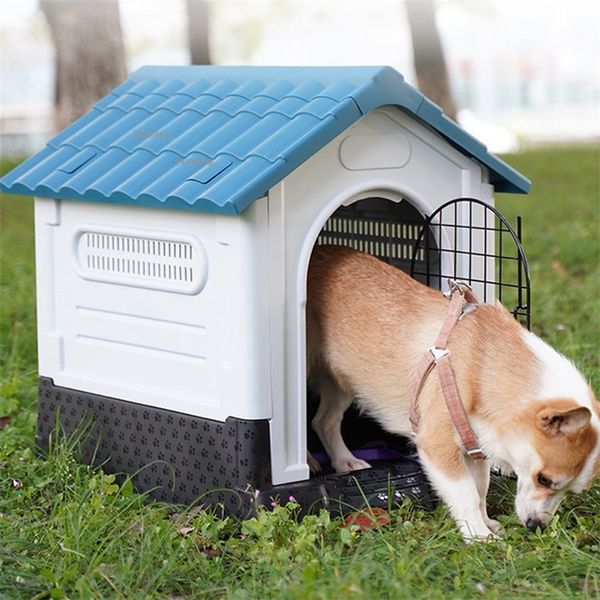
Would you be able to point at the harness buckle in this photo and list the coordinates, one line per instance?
(438, 353)
(456, 285)
(473, 451)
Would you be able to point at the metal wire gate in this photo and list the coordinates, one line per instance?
(469, 240)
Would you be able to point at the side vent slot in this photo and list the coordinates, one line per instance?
(142, 260)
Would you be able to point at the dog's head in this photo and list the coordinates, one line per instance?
(558, 452)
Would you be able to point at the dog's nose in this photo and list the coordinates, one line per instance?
(532, 524)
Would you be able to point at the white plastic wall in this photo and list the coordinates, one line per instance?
(164, 308)
(385, 154)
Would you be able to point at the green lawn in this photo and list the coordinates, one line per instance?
(69, 531)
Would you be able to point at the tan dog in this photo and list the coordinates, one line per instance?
(368, 326)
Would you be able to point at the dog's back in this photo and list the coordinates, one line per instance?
(368, 324)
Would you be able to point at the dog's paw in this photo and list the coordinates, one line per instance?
(476, 532)
(493, 525)
(478, 539)
(471, 537)
(350, 463)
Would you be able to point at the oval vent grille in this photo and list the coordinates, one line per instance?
(142, 260)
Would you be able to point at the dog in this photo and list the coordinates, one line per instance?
(369, 325)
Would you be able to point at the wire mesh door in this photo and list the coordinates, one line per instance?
(474, 242)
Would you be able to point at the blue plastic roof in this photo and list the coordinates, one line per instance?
(217, 138)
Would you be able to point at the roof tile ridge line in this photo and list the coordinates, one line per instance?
(155, 94)
(251, 112)
(241, 96)
(303, 111)
(138, 95)
(104, 110)
(152, 94)
(187, 95)
(330, 98)
(206, 94)
(127, 91)
(165, 150)
(219, 110)
(168, 109)
(136, 107)
(252, 153)
(259, 95)
(289, 117)
(242, 159)
(338, 100)
(128, 152)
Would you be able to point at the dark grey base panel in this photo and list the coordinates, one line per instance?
(184, 459)
(177, 458)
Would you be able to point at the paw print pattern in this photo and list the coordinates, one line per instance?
(175, 457)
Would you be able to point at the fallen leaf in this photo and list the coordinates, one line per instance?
(367, 519)
(185, 530)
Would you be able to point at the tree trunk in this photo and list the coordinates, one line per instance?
(430, 66)
(198, 31)
(89, 53)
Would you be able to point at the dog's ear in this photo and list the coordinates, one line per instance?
(562, 416)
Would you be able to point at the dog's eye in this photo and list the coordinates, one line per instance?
(542, 480)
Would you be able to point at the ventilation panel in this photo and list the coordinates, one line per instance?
(173, 263)
(380, 227)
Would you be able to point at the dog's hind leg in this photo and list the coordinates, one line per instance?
(327, 424)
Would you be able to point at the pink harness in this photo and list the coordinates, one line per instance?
(461, 296)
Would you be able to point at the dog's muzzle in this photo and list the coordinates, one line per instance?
(532, 524)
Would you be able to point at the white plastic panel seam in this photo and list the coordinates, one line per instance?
(288, 423)
(47, 222)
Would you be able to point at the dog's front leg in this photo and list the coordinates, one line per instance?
(480, 470)
(454, 483)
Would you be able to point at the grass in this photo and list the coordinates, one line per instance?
(67, 530)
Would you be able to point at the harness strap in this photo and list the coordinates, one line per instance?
(461, 296)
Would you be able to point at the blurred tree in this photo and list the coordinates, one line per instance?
(198, 12)
(430, 66)
(89, 53)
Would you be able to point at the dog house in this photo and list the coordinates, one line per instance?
(174, 226)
